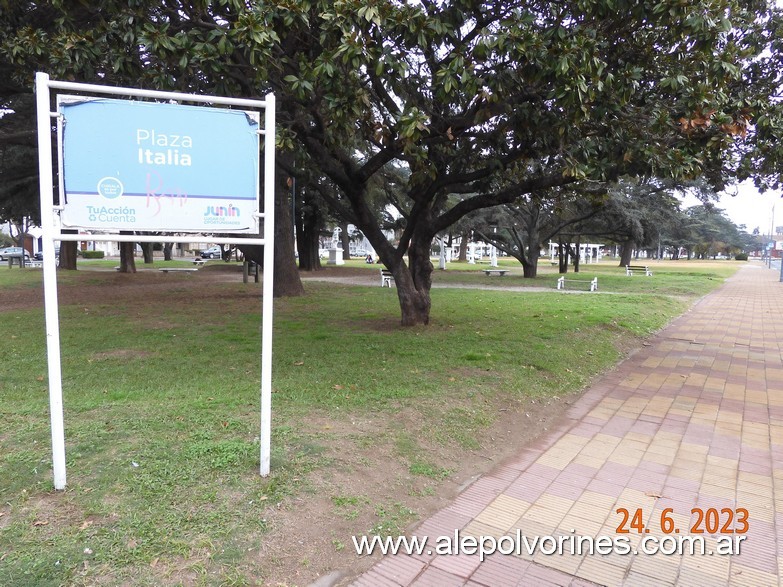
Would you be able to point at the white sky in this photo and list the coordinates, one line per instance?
(749, 207)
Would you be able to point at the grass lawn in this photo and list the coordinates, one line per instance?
(370, 422)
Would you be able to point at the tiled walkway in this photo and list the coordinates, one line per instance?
(694, 420)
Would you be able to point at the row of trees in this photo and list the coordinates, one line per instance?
(637, 216)
(439, 109)
(704, 233)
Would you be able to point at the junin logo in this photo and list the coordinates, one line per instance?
(230, 211)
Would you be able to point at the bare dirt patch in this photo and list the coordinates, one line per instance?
(111, 287)
(369, 487)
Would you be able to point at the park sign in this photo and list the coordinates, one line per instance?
(158, 166)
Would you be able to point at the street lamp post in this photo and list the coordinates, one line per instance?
(771, 238)
(442, 257)
(493, 252)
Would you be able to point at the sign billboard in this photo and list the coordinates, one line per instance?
(156, 166)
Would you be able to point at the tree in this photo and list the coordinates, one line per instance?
(491, 100)
(286, 282)
(632, 213)
(127, 258)
(167, 249)
(497, 101)
(522, 227)
(714, 233)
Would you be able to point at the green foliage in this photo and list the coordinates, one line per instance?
(472, 99)
(741, 257)
(92, 254)
(708, 232)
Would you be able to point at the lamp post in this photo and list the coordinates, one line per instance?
(493, 252)
(442, 257)
(771, 238)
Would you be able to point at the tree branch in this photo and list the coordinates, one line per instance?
(494, 199)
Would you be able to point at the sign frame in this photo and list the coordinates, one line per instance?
(52, 229)
(158, 166)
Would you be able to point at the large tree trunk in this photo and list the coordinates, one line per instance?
(287, 282)
(345, 241)
(308, 232)
(529, 269)
(127, 262)
(562, 256)
(68, 253)
(415, 305)
(625, 253)
(530, 262)
(463, 247)
(167, 248)
(414, 283)
(577, 256)
(147, 253)
(308, 243)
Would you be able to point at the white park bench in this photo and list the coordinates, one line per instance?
(579, 284)
(629, 269)
(386, 278)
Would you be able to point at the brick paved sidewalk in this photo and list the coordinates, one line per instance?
(694, 420)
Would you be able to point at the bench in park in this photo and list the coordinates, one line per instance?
(629, 269)
(500, 272)
(386, 278)
(579, 284)
(199, 262)
(34, 263)
(18, 260)
(178, 269)
(249, 268)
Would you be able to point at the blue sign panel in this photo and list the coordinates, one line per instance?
(130, 165)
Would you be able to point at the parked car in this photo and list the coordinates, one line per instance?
(11, 251)
(39, 255)
(212, 253)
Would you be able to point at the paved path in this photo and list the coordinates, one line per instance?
(694, 420)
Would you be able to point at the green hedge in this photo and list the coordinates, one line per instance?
(741, 257)
(92, 254)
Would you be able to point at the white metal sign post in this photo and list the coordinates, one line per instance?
(159, 166)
